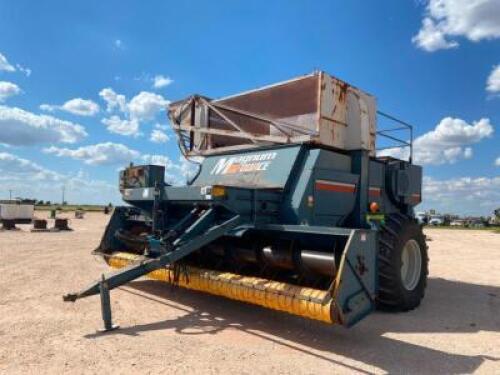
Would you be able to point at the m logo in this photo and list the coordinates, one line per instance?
(243, 164)
(221, 166)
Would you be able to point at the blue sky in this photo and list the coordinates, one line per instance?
(430, 63)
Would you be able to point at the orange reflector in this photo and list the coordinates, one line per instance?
(374, 207)
(218, 191)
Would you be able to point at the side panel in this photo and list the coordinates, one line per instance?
(414, 195)
(334, 196)
(403, 186)
(347, 116)
(332, 111)
(269, 168)
(361, 129)
(376, 185)
(334, 188)
(356, 283)
(322, 192)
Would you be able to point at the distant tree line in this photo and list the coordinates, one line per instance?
(43, 203)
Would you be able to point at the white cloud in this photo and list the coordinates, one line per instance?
(82, 107)
(157, 82)
(30, 180)
(161, 127)
(8, 89)
(48, 107)
(19, 127)
(467, 153)
(447, 143)
(453, 154)
(5, 65)
(146, 105)
(17, 167)
(188, 169)
(116, 125)
(431, 38)
(464, 195)
(142, 107)
(446, 20)
(112, 154)
(98, 154)
(158, 160)
(22, 69)
(160, 81)
(8, 67)
(113, 100)
(76, 106)
(159, 136)
(493, 83)
(497, 162)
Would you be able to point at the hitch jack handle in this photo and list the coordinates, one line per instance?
(202, 232)
(106, 307)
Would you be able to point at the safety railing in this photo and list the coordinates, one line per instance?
(390, 132)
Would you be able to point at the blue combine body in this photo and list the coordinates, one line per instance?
(304, 228)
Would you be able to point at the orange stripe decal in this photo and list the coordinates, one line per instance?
(337, 187)
(416, 197)
(374, 192)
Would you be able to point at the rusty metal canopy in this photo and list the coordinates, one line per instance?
(315, 108)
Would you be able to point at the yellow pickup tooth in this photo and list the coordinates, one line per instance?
(306, 302)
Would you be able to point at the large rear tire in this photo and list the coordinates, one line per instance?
(402, 264)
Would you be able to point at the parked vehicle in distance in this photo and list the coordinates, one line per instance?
(436, 220)
(18, 210)
(422, 218)
(476, 224)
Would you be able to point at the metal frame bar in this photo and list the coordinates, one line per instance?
(192, 240)
(106, 306)
(184, 131)
(229, 133)
(399, 142)
(228, 120)
(202, 232)
(275, 123)
(306, 229)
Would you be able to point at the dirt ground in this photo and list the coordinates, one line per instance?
(166, 330)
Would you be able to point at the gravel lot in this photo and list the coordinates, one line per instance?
(166, 330)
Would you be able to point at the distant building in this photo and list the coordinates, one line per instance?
(19, 210)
